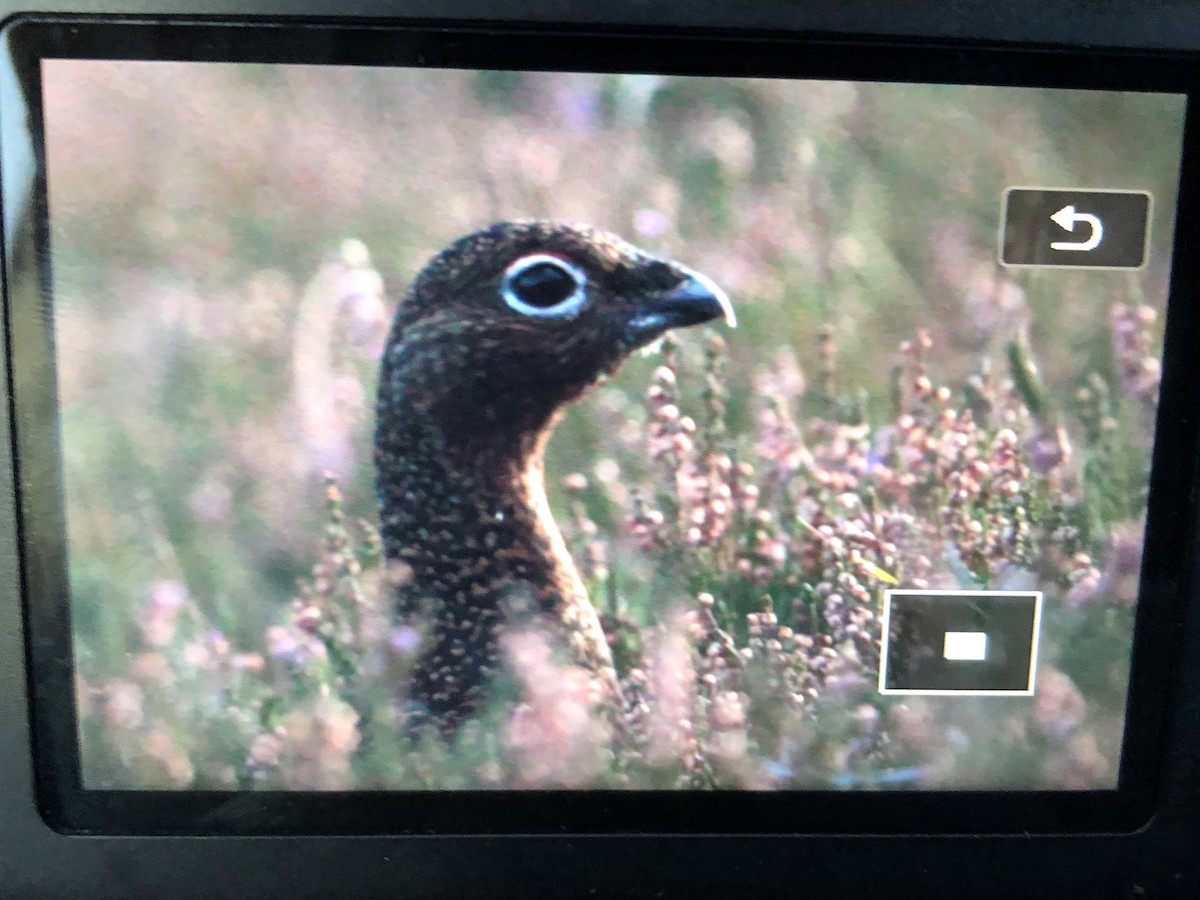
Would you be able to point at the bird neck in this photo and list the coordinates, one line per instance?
(463, 501)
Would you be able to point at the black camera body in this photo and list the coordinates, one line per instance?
(378, 520)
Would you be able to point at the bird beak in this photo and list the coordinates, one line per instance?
(693, 301)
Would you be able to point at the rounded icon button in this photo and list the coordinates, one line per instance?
(1084, 229)
(981, 643)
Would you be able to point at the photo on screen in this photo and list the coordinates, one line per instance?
(431, 429)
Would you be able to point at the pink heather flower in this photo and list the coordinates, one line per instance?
(265, 751)
(728, 741)
(216, 642)
(160, 619)
(1049, 449)
(728, 711)
(211, 502)
(671, 688)
(1086, 583)
(405, 640)
(319, 742)
(197, 655)
(1124, 562)
(248, 662)
(650, 223)
(176, 768)
(575, 482)
(1078, 766)
(152, 668)
(308, 617)
(557, 733)
(168, 595)
(578, 105)
(1132, 345)
(359, 288)
(281, 642)
(1059, 707)
(123, 705)
(293, 646)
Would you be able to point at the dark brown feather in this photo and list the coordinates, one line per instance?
(470, 389)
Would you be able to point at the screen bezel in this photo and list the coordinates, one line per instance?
(67, 806)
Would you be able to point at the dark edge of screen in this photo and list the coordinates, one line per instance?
(67, 807)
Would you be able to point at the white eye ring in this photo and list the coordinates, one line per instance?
(565, 308)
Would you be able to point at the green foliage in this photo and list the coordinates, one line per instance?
(736, 525)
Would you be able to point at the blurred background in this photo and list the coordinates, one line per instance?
(229, 241)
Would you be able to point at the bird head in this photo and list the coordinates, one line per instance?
(531, 314)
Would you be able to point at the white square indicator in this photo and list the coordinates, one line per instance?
(960, 643)
(965, 645)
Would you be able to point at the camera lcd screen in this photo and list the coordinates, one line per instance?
(467, 429)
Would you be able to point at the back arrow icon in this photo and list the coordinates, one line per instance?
(1066, 218)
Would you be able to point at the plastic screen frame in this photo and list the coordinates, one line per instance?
(1166, 585)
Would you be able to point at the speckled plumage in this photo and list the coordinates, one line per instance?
(469, 392)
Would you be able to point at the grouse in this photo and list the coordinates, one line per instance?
(497, 335)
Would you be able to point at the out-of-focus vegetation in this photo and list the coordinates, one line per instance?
(893, 405)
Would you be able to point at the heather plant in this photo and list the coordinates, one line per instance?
(737, 502)
(757, 665)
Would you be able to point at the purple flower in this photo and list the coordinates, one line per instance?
(405, 640)
(650, 223)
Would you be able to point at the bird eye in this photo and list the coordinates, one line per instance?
(542, 285)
